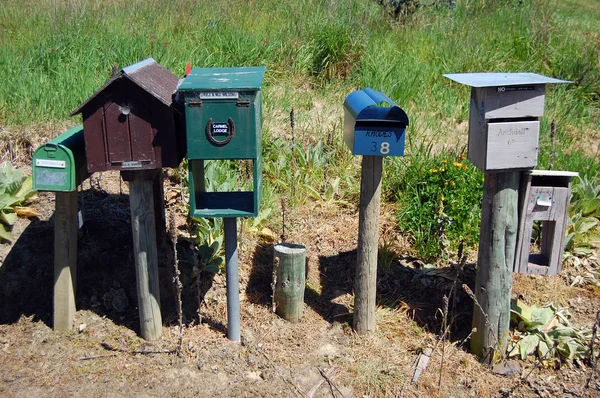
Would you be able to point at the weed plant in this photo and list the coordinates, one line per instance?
(438, 197)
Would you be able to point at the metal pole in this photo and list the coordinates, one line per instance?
(231, 267)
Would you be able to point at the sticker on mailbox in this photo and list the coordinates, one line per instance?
(54, 164)
(220, 129)
(218, 95)
(379, 141)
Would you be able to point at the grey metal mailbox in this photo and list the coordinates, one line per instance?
(504, 125)
(371, 129)
(544, 197)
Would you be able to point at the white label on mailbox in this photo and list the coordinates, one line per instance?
(55, 164)
(127, 165)
(219, 95)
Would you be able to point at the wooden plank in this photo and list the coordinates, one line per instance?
(493, 286)
(365, 282)
(65, 260)
(512, 145)
(289, 272)
(144, 246)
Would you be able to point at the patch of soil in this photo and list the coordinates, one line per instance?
(319, 357)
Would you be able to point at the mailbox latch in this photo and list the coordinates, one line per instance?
(243, 102)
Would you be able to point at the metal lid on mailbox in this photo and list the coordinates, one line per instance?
(363, 105)
(501, 79)
(244, 78)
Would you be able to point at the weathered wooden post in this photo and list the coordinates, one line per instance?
(65, 260)
(503, 141)
(289, 282)
(372, 131)
(143, 226)
(60, 166)
(223, 113)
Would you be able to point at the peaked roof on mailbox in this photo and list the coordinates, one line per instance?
(363, 105)
(148, 75)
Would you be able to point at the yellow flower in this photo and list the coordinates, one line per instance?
(446, 183)
(457, 164)
(462, 155)
(452, 183)
(445, 161)
(433, 170)
(442, 170)
(465, 167)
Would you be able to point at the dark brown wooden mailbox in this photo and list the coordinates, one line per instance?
(131, 123)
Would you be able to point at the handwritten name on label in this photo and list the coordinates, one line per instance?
(218, 95)
(55, 164)
(512, 131)
(378, 134)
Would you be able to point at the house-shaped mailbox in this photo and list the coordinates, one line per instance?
(372, 129)
(223, 117)
(131, 123)
(504, 125)
(544, 196)
(60, 164)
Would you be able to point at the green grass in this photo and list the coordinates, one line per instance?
(55, 54)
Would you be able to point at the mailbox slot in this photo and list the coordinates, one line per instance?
(544, 197)
(60, 165)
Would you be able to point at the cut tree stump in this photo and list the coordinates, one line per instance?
(289, 281)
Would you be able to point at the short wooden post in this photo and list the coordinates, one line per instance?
(289, 281)
(497, 246)
(144, 245)
(365, 283)
(65, 260)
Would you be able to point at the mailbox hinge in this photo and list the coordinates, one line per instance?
(243, 102)
(195, 102)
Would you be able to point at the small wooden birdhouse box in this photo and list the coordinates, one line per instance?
(131, 123)
(504, 125)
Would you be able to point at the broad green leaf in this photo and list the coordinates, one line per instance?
(4, 234)
(528, 345)
(586, 224)
(543, 349)
(590, 207)
(26, 190)
(8, 217)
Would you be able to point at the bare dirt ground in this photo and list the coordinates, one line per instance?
(319, 357)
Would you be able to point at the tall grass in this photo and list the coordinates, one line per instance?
(55, 53)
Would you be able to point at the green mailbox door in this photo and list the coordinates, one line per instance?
(223, 112)
(60, 164)
(223, 116)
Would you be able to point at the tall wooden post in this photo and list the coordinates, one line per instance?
(65, 260)
(497, 245)
(365, 282)
(144, 246)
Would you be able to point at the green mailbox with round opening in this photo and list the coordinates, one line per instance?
(223, 118)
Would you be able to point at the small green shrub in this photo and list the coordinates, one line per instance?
(438, 199)
(584, 213)
(14, 189)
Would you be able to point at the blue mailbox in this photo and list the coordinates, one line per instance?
(373, 129)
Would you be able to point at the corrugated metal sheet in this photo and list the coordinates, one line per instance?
(148, 75)
(501, 79)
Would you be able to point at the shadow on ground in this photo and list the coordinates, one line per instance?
(405, 284)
